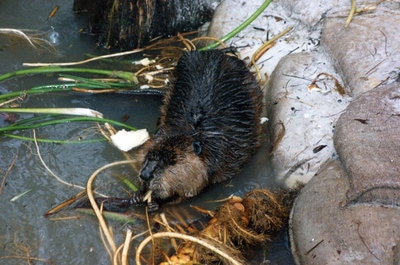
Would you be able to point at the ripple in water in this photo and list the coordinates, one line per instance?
(54, 37)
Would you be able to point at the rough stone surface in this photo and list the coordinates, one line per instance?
(230, 14)
(366, 52)
(309, 124)
(311, 13)
(348, 212)
(301, 119)
(319, 10)
(270, 23)
(325, 230)
(368, 140)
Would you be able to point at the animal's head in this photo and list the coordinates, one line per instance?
(173, 166)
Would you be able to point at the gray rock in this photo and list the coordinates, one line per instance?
(367, 139)
(312, 12)
(273, 21)
(366, 53)
(347, 213)
(302, 120)
(324, 229)
(230, 14)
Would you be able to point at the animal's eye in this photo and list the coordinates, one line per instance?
(197, 147)
(148, 169)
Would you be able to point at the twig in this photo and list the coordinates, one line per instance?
(11, 100)
(265, 47)
(154, 72)
(28, 259)
(87, 60)
(93, 91)
(370, 71)
(65, 218)
(261, 50)
(314, 247)
(3, 182)
(369, 7)
(128, 76)
(19, 33)
(338, 87)
(205, 38)
(280, 136)
(184, 237)
(20, 247)
(48, 169)
(186, 42)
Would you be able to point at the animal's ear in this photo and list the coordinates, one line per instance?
(197, 148)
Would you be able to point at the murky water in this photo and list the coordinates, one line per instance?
(24, 231)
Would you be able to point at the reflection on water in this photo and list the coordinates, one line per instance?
(23, 229)
(54, 37)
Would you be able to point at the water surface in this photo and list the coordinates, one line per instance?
(23, 228)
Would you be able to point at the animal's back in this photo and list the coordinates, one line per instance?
(217, 100)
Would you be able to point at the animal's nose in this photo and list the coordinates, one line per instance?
(147, 171)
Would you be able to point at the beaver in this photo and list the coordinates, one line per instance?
(209, 126)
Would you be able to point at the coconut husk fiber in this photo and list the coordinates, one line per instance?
(238, 224)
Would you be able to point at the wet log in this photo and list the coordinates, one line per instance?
(127, 24)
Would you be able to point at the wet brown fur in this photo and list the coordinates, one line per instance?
(209, 126)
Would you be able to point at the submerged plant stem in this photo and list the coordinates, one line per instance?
(24, 138)
(65, 120)
(55, 69)
(49, 170)
(92, 86)
(87, 60)
(38, 90)
(65, 111)
(19, 33)
(112, 216)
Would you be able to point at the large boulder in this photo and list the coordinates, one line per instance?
(348, 214)
(366, 53)
(368, 140)
(302, 116)
(326, 229)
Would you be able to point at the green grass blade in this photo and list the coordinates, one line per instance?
(240, 27)
(24, 138)
(112, 216)
(55, 69)
(65, 120)
(38, 90)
